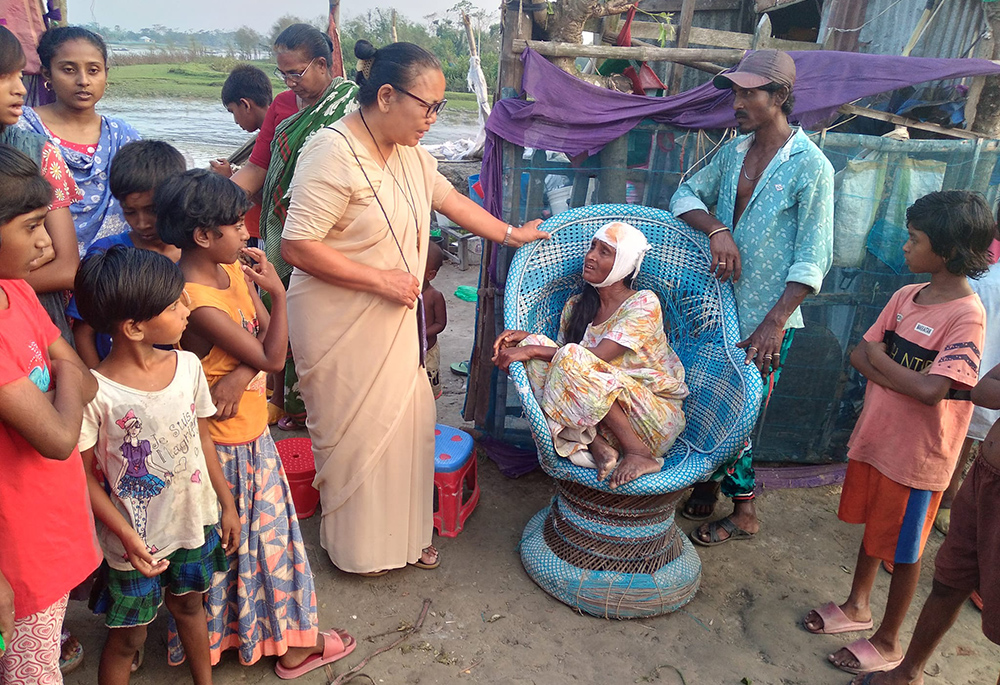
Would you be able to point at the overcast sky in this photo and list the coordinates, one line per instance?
(231, 14)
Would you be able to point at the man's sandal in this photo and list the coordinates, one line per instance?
(695, 500)
(734, 531)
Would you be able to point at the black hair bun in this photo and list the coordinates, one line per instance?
(364, 50)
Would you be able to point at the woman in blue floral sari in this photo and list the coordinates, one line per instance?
(74, 65)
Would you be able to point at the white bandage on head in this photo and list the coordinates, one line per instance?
(630, 247)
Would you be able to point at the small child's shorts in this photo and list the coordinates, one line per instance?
(131, 599)
(433, 365)
(897, 519)
(969, 559)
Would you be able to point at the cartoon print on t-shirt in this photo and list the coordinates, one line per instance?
(135, 482)
(250, 325)
(39, 374)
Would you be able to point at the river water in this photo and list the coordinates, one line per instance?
(203, 130)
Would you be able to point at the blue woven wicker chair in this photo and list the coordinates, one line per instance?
(618, 553)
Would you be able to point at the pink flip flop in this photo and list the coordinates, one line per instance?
(869, 659)
(835, 621)
(334, 649)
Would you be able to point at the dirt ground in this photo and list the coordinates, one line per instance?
(489, 623)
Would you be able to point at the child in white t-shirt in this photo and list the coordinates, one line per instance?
(147, 431)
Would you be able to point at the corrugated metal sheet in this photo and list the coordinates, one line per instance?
(889, 24)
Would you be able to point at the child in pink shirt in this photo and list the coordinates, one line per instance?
(47, 531)
(921, 359)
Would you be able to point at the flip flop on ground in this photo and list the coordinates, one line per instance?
(835, 621)
(292, 422)
(71, 657)
(732, 530)
(867, 679)
(869, 659)
(334, 649)
(942, 521)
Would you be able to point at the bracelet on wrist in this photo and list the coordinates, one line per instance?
(506, 238)
(718, 230)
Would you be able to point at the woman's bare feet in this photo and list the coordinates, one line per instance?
(605, 457)
(633, 465)
(430, 556)
(294, 657)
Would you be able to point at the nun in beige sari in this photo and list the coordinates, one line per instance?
(357, 232)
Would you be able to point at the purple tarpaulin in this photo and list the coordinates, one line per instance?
(574, 117)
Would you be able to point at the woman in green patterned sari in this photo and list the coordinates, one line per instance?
(315, 99)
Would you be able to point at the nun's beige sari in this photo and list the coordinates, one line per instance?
(370, 407)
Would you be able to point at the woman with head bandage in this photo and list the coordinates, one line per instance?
(610, 386)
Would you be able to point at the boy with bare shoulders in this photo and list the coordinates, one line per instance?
(435, 317)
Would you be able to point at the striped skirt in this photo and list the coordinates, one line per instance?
(266, 603)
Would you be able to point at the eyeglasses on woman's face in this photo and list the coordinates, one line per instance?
(291, 76)
(432, 107)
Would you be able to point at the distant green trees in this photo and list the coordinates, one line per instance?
(444, 35)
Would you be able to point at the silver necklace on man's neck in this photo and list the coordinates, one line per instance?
(743, 167)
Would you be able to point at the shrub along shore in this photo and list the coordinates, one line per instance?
(203, 80)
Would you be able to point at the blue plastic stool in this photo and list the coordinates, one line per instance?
(454, 467)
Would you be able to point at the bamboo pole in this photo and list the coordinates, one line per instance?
(609, 38)
(683, 37)
(333, 30)
(473, 48)
(516, 26)
(641, 54)
(911, 123)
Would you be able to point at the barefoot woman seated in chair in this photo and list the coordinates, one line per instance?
(611, 387)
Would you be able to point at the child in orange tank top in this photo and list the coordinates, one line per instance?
(266, 604)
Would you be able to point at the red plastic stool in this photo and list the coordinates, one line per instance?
(454, 469)
(300, 468)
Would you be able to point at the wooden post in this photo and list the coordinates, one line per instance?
(614, 171)
(647, 53)
(333, 30)
(473, 48)
(484, 381)
(515, 26)
(925, 18)
(395, 36)
(683, 37)
(536, 185)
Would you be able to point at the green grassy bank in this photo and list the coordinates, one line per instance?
(203, 80)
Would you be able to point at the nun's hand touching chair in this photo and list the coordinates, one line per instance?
(526, 233)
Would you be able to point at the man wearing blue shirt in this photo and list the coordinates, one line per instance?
(772, 234)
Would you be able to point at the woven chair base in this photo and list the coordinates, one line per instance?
(611, 556)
